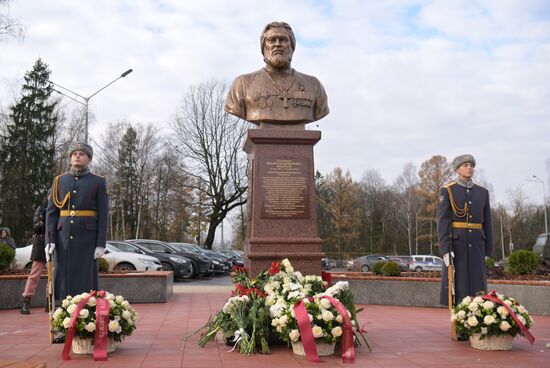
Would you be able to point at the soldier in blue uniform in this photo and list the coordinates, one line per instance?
(464, 226)
(76, 225)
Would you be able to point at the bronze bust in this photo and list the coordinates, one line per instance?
(277, 95)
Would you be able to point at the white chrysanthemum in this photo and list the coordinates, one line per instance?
(327, 315)
(489, 320)
(76, 299)
(473, 306)
(472, 321)
(66, 322)
(478, 300)
(109, 296)
(488, 305)
(275, 322)
(339, 318)
(467, 300)
(84, 313)
(270, 300)
(283, 320)
(90, 327)
(119, 299)
(126, 315)
(65, 303)
(112, 304)
(461, 314)
(113, 325)
(57, 313)
(521, 309)
(317, 331)
(125, 304)
(336, 331)
(325, 303)
(294, 335)
(71, 308)
(502, 311)
(275, 310)
(504, 326)
(92, 302)
(299, 276)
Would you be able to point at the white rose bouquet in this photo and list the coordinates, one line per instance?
(478, 315)
(122, 317)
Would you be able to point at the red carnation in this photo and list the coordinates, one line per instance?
(275, 268)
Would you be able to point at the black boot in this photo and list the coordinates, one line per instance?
(26, 306)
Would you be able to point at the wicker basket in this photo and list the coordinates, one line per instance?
(502, 342)
(84, 346)
(323, 349)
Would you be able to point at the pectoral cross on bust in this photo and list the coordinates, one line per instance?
(284, 96)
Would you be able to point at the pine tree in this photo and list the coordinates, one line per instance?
(27, 152)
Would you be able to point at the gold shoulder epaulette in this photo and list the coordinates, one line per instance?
(448, 185)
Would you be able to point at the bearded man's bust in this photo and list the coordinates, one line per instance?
(277, 94)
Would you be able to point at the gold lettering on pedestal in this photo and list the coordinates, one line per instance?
(285, 188)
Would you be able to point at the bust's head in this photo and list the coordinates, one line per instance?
(278, 44)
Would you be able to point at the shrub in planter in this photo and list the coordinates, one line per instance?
(391, 269)
(377, 268)
(489, 263)
(7, 256)
(103, 265)
(523, 262)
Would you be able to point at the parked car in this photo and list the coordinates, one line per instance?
(119, 260)
(181, 266)
(401, 261)
(221, 262)
(542, 246)
(200, 265)
(23, 258)
(426, 263)
(235, 257)
(364, 263)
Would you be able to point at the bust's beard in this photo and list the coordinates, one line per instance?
(278, 61)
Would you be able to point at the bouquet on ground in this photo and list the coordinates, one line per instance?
(122, 317)
(491, 314)
(264, 306)
(244, 319)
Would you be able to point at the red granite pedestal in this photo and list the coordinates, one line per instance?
(282, 211)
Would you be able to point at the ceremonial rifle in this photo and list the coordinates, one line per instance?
(451, 285)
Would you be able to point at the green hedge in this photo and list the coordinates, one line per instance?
(7, 256)
(523, 262)
(377, 268)
(103, 265)
(391, 269)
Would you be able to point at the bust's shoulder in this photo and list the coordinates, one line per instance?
(250, 76)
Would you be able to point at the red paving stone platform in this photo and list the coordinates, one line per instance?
(400, 336)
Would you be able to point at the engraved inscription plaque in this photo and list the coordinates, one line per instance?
(284, 188)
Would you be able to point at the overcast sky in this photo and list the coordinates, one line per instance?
(406, 79)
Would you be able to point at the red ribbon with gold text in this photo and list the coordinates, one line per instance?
(492, 296)
(102, 326)
(304, 326)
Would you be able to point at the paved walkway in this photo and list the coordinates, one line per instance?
(401, 337)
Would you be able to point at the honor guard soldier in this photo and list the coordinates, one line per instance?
(464, 230)
(76, 225)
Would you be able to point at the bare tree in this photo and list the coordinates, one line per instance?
(9, 27)
(408, 203)
(210, 142)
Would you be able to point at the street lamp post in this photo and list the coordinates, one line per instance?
(501, 230)
(544, 203)
(87, 99)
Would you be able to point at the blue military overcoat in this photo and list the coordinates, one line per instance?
(464, 226)
(76, 221)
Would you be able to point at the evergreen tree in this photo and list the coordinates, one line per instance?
(27, 149)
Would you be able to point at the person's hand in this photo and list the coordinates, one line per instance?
(446, 258)
(50, 248)
(99, 251)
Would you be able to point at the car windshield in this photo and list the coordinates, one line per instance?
(124, 247)
(185, 247)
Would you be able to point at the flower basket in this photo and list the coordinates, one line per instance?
(85, 346)
(323, 349)
(502, 342)
(492, 321)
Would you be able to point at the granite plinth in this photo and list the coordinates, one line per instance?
(282, 207)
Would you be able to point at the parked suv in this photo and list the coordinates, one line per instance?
(542, 246)
(426, 263)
